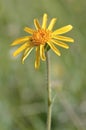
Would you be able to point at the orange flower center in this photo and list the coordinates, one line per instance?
(41, 36)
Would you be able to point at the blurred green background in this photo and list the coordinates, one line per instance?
(23, 97)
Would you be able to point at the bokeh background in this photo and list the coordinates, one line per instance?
(23, 96)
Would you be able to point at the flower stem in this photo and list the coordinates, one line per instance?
(48, 94)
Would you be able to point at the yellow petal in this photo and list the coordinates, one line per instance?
(63, 30)
(20, 40)
(36, 23)
(67, 39)
(37, 61)
(44, 24)
(24, 46)
(61, 44)
(26, 53)
(28, 30)
(42, 53)
(54, 48)
(52, 22)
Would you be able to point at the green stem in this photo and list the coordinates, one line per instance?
(49, 95)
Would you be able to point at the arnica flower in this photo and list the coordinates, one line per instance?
(41, 37)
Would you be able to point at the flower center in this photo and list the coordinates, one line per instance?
(41, 36)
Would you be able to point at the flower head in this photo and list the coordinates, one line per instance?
(40, 38)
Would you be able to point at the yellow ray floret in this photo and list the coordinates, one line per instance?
(42, 52)
(61, 44)
(20, 49)
(28, 30)
(37, 61)
(63, 30)
(20, 40)
(63, 38)
(44, 23)
(26, 53)
(41, 37)
(52, 22)
(36, 23)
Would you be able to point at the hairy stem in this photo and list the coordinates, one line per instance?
(48, 94)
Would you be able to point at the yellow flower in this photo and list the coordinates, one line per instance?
(40, 38)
